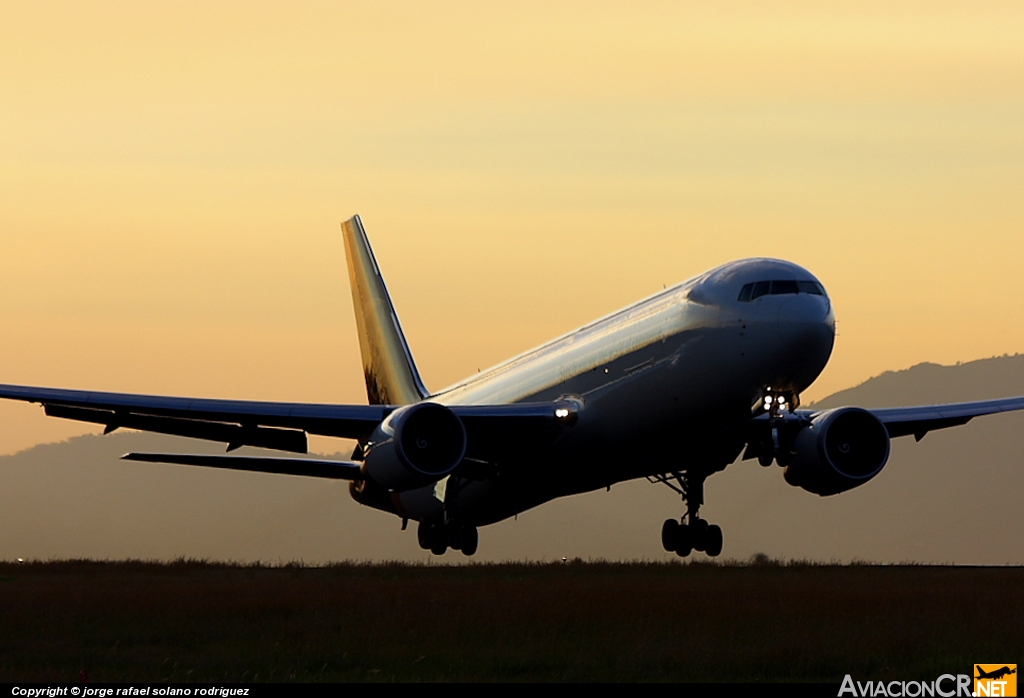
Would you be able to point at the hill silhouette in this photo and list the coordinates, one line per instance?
(927, 383)
(954, 497)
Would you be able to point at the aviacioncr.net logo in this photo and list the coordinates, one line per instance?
(946, 686)
(995, 680)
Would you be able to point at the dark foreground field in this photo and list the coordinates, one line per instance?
(578, 621)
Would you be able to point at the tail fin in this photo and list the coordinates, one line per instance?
(391, 375)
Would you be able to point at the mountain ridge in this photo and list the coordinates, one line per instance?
(953, 498)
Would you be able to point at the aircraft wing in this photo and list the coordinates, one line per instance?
(898, 421)
(276, 425)
(901, 421)
(491, 429)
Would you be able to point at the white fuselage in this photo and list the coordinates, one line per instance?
(662, 384)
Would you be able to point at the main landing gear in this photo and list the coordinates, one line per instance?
(691, 532)
(451, 531)
(437, 537)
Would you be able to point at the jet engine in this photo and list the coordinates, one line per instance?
(840, 449)
(415, 446)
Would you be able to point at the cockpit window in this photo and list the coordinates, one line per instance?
(778, 288)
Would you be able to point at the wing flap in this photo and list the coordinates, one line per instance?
(234, 435)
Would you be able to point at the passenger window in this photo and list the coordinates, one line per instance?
(783, 287)
(761, 288)
(745, 292)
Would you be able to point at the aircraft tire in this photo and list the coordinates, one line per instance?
(670, 535)
(435, 537)
(713, 541)
(684, 541)
(423, 533)
(470, 540)
(698, 534)
(454, 535)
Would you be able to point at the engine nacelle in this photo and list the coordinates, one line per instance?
(415, 446)
(840, 450)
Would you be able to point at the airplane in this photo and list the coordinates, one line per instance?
(996, 674)
(673, 388)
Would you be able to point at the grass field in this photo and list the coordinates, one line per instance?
(194, 621)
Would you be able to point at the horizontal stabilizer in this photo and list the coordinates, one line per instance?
(310, 467)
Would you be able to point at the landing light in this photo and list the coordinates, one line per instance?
(561, 413)
(768, 400)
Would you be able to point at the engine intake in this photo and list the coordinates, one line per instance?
(415, 446)
(840, 449)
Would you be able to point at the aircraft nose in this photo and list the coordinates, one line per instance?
(808, 327)
(806, 309)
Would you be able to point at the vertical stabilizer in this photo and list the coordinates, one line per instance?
(391, 375)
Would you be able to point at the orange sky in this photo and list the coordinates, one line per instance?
(172, 179)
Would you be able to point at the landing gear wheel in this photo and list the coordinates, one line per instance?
(670, 535)
(684, 541)
(470, 539)
(698, 534)
(713, 541)
(454, 534)
(435, 537)
(423, 535)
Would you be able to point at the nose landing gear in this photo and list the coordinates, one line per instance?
(775, 402)
(690, 532)
(775, 445)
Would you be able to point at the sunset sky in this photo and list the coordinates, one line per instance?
(173, 176)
